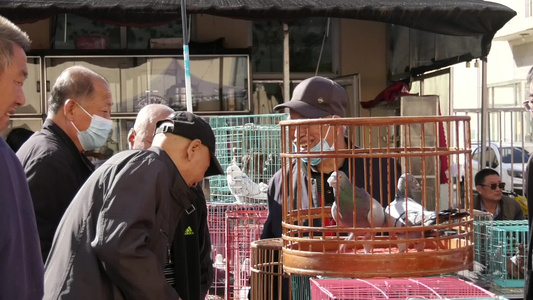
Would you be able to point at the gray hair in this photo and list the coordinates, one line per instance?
(74, 82)
(11, 34)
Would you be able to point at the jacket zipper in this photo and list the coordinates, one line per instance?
(169, 253)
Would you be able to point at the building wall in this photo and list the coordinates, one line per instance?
(39, 33)
(363, 51)
(235, 32)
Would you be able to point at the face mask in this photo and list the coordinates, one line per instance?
(323, 145)
(96, 135)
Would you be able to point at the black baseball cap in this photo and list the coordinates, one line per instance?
(317, 97)
(193, 127)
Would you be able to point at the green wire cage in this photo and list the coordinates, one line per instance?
(501, 247)
(252, 142)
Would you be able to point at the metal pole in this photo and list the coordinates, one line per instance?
(484, 112)
(286, 64)
(186, 59)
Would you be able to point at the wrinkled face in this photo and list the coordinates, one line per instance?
(485, 190)
(11, 81)
(99, 104)
(306, 137)
(201, 162)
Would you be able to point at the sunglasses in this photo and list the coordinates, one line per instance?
(493, 186)
(527, 105)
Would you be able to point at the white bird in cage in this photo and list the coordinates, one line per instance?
(242, 187)
(246, 267)
(404, 211)
(368, 211)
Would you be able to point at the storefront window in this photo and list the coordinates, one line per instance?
(75, 32)
(305, 42)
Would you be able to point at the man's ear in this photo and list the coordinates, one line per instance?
(193, 148)
(68, 109)
(478, 188)
(131, 138)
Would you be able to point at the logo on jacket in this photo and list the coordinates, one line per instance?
(189, 231)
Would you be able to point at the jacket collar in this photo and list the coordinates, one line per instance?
(51, 128)
(180, 191)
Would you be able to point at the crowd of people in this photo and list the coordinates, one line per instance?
(136, 226)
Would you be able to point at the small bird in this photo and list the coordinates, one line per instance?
(404, 211)
(516, 264)
(242, 187)
(368, 211)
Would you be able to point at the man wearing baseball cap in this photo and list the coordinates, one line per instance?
(318, 97)
(114, 239)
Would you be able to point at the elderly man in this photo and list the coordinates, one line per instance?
(314, 98)
(78, 120)
(115, 237)
(21, 267)
(491, 198)
(190, 270)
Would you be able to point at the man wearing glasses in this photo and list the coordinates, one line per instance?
(491, 198)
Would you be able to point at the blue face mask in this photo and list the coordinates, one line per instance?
(322, 146)
(96, 135)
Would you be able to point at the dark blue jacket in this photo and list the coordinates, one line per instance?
(21, 265)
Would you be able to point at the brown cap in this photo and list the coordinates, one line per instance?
(193, 127)
(317, 97)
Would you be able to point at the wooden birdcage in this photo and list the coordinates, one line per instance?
(267, 269)
(380, 150)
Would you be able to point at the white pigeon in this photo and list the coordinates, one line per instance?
(242, 187)
(404, 211)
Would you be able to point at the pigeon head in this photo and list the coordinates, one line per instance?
(233, 170)
(407, 185)
(332, 180)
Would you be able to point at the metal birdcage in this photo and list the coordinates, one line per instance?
(242, 228)
(397, 289)
(507, 256)
(252, 142)
(500, 254)
(216, 220)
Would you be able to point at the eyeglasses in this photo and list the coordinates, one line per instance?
(527, 105)
(493, 186)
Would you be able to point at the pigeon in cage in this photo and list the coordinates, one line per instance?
(242, 187)
(516, 264)
(368, 211)
(405, 211)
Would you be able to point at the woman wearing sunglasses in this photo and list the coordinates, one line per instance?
(491, 199)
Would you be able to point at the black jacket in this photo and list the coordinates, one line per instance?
(55, 170)
(115, 237)
(385, 168)
(191, 250)
(509, 209)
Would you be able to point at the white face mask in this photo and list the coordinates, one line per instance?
(96, 135)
